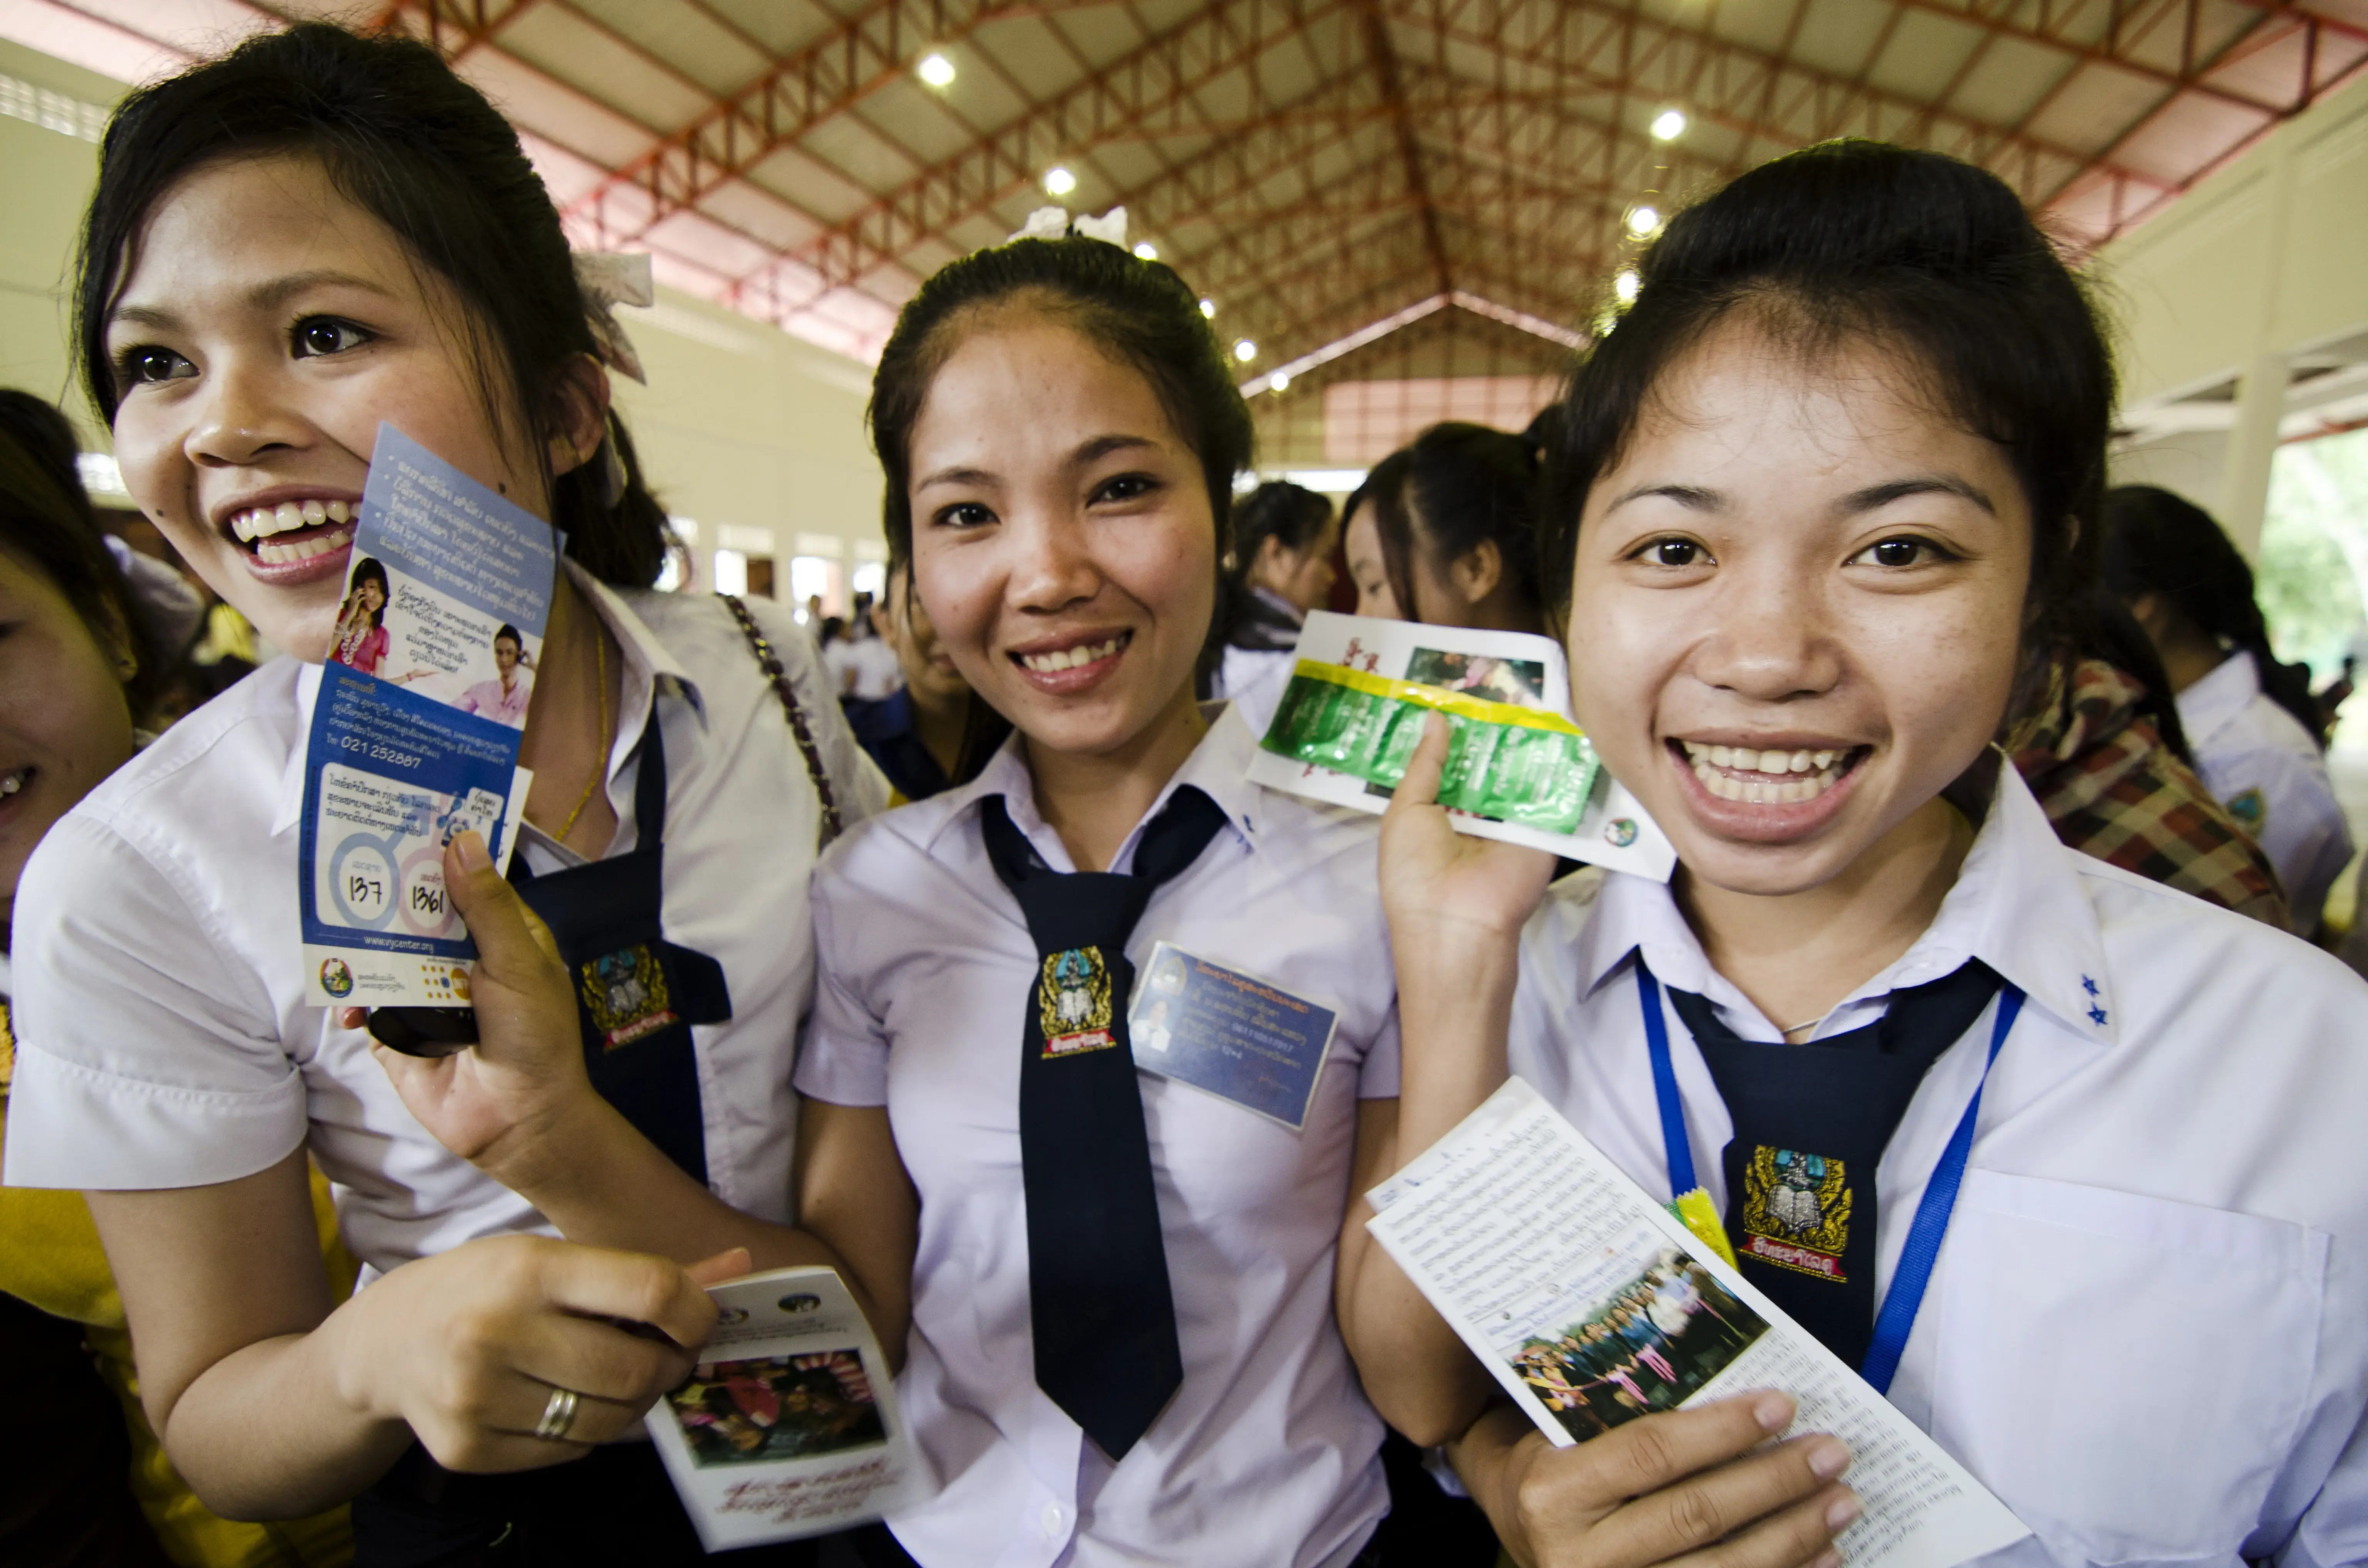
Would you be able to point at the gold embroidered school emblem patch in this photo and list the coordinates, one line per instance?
(1073, 1002)
(1796, 1211)
(624, 993)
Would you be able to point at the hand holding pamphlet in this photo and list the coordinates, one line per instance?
(1593, 1305)
(1518, 768)
(789, 1425)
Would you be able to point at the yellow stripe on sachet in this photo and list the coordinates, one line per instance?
(1463, 705)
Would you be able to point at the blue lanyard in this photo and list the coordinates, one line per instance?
(1897, 1315)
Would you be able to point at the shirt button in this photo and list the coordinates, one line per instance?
(1051, 1521)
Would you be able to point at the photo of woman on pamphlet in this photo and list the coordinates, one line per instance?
(1660, 1334)
(504, 698)
(361, 621)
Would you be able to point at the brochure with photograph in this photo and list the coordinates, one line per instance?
(1593, 1305)
(788, 1427)
(416, 726)
(1518, 768)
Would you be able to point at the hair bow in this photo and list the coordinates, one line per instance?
(607, 279)
(1055, 222)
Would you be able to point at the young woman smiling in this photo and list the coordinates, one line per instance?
(1118, 1286)
(289, 245)
(1824, 498)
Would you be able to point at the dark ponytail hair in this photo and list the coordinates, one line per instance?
(2158, 543)
(1139, 312)
(46, 523)
(1864, 240)
(1456, 488)
(421, 150)
(1295, 517)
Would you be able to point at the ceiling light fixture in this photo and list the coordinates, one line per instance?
(1669, 125)
(1625, 286)
(936, 70)
(1059, 181)
(1245, 350)
(1277, 381)
(1643, 220)
(1146, 250)
(1209, 308)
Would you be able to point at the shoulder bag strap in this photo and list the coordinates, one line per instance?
(770, 663)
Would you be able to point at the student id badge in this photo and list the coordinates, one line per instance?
(1228, 1033)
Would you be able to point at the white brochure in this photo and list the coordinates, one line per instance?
(1593, 1305)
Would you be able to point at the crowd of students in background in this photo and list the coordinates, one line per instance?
(1081, 634)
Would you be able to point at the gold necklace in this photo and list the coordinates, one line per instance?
(600, 762)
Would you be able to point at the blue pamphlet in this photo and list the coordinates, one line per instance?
(1229, 1033)
(415, 728)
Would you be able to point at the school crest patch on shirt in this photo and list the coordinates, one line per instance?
(2249, 808)
(1796, 1211)
(1073, 998)
(625, 996)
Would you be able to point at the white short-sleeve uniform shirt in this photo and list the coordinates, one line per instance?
(2147, 1327)
(1252, 679)
(1267, 1454)
(164, 1038)
(2263, 765)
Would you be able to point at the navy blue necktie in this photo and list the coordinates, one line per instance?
(1811, 1124)
(1098, 1300)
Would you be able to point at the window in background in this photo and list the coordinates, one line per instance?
(732, 572)
(870, 577)
(811, 574)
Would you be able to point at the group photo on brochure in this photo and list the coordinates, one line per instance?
(1654, 1024)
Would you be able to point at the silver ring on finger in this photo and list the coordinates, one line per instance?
(558, 1416)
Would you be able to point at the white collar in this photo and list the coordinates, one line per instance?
(2018, 905)
(647, 661)
(1219, 767)
(2219, 697)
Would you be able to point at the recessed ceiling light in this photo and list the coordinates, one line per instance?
(1669, 125)
(936, 70)
(1059, 181)
(1643, 220)
(1209, 308)
(1146, 250)
(1625, 286)
(1245, 350)
(1278, 381)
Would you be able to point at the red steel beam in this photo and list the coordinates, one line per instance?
(1801, 103)
(453, 28)
(1158, 78)
(1384, 56)
(857, 56)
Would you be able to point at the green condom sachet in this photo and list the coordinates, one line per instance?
(1514, 765)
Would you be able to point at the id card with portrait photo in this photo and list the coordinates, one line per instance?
(1228, 1033)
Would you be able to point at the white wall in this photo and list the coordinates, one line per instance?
(741, 426)
(2259, 266)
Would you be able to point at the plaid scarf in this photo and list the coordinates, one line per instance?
(2113, 789)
